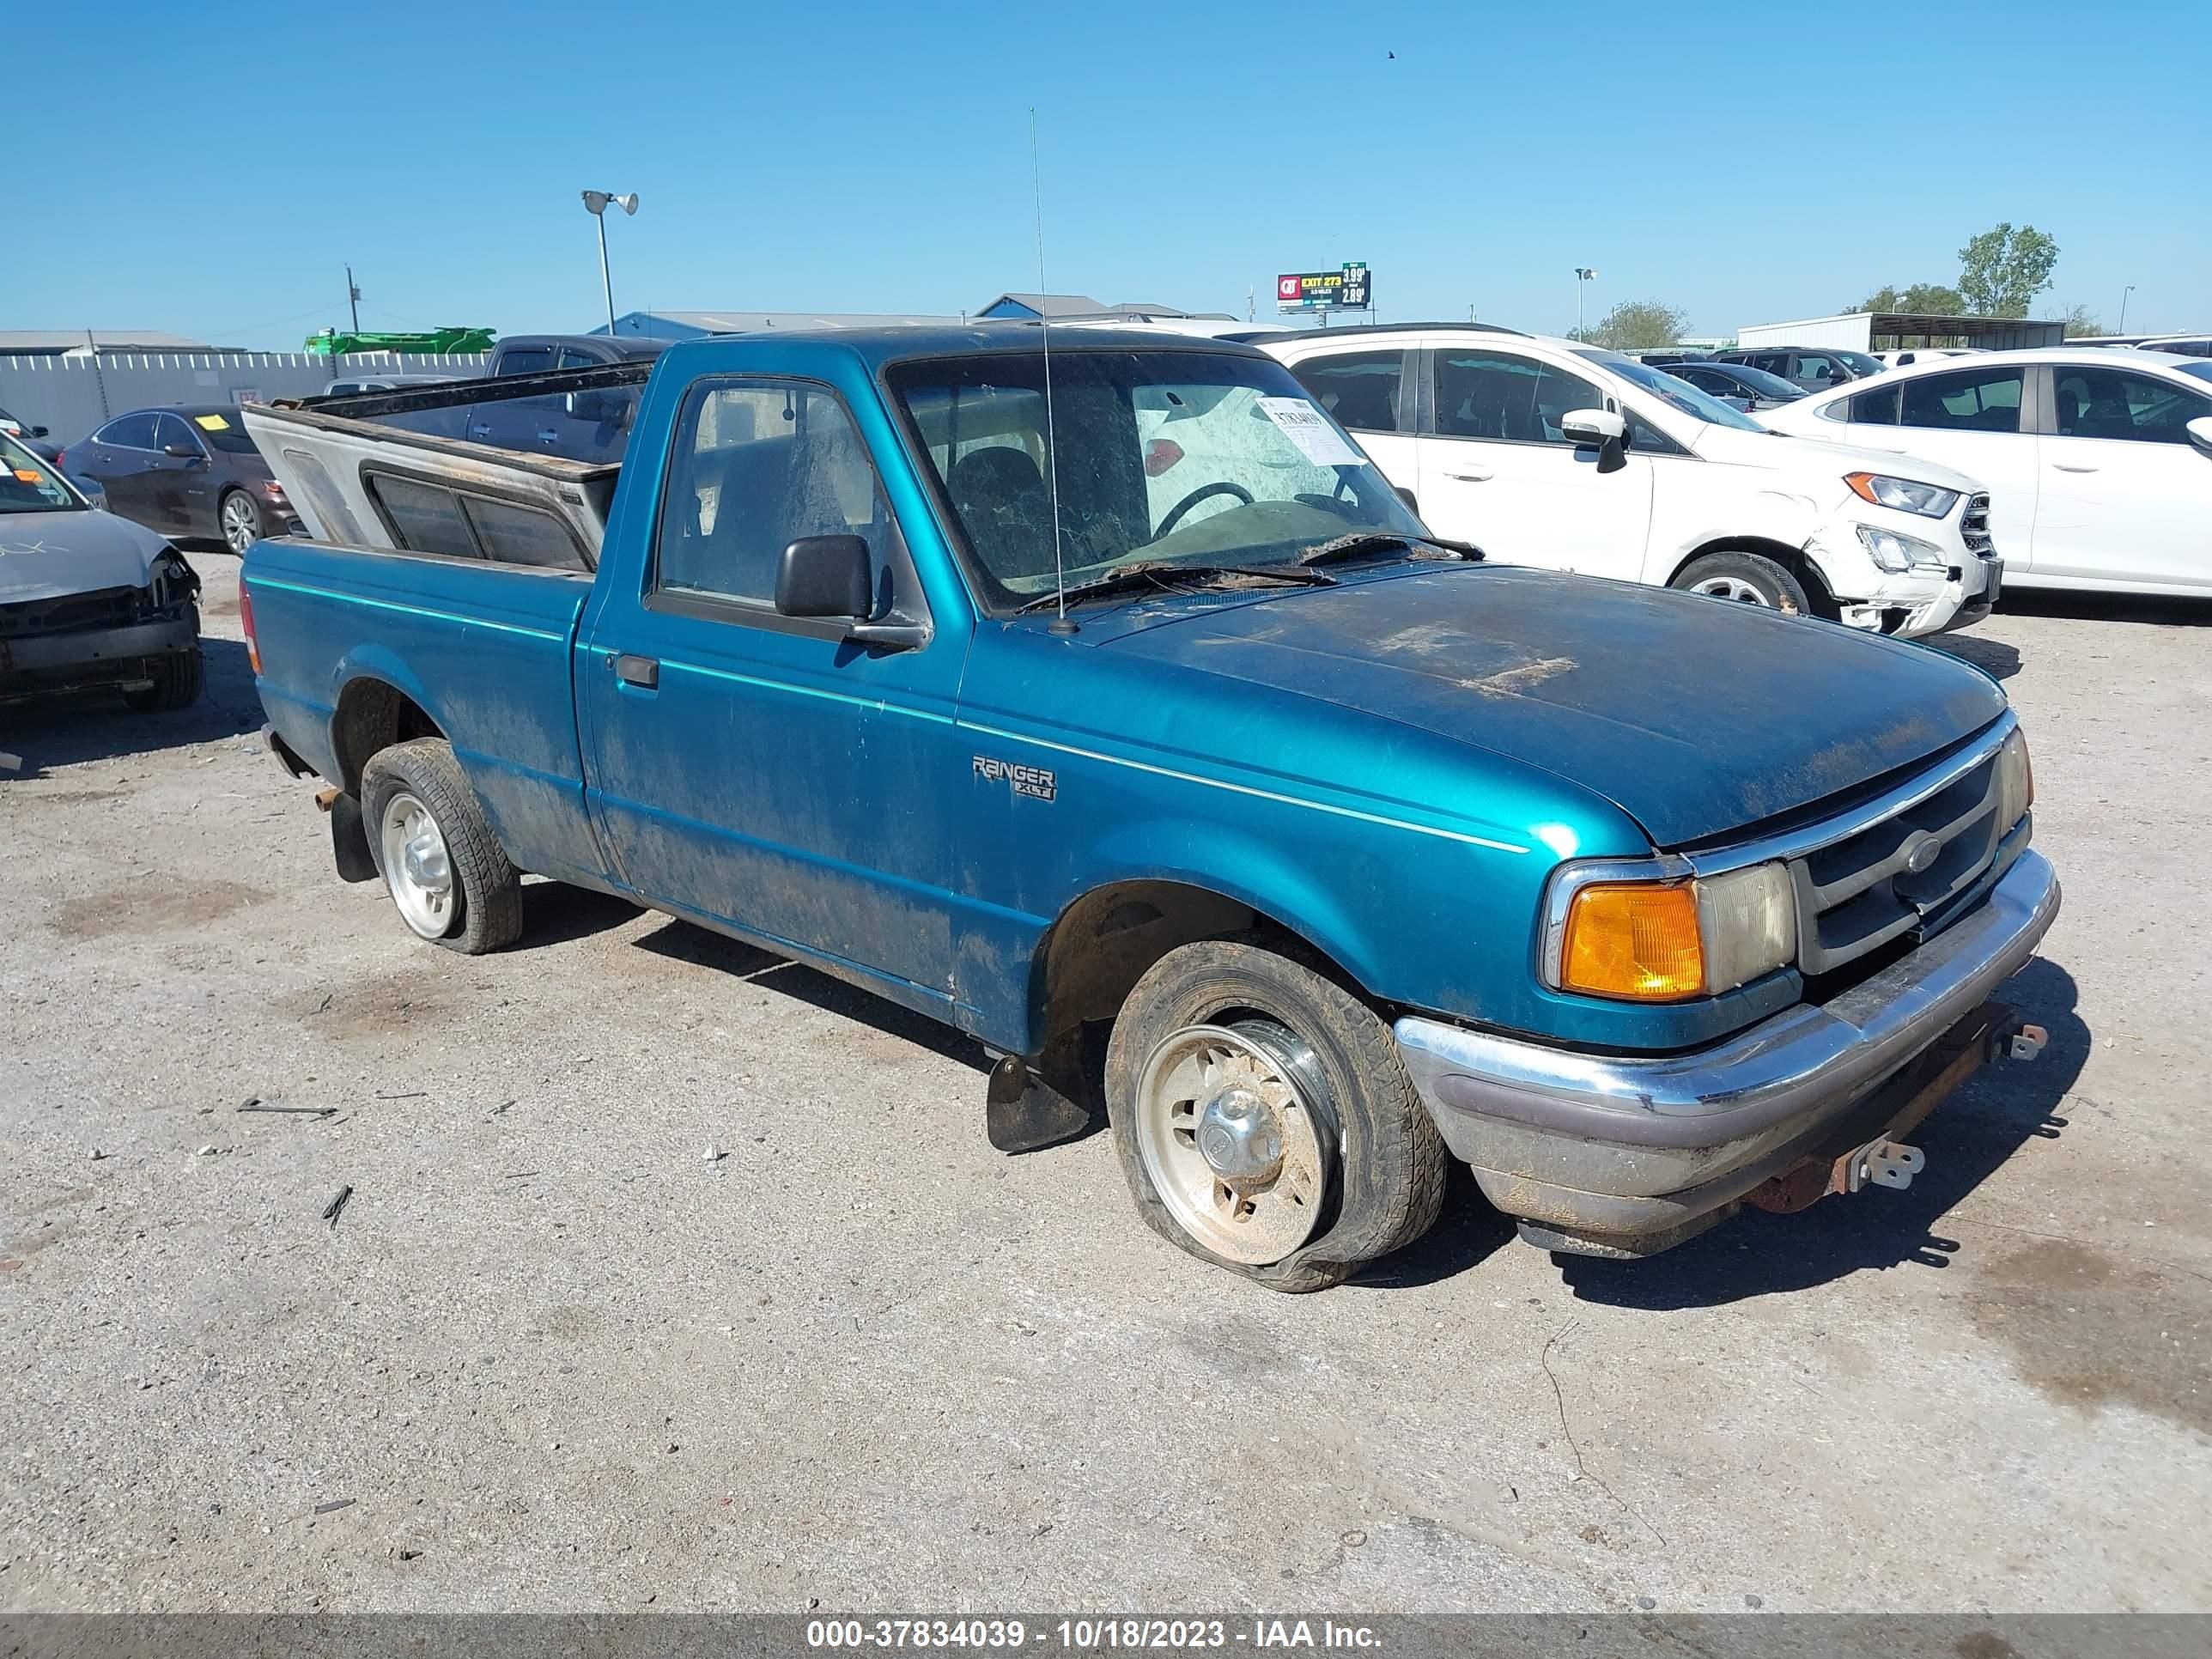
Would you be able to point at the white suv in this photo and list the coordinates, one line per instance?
(1543, 452)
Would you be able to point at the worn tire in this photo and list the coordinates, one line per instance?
(488, 888)
(1389, 1182)
(179, 679)
(1774, 587)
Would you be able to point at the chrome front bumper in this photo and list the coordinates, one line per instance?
(1622, 1145)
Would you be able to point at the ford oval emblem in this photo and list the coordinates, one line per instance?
(1921, 853)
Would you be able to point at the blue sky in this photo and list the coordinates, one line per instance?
(214, 168)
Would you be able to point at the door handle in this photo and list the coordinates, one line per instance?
(547, 435)
(480, 432)
(636, 670)
(2064, 467)
(1472, 478)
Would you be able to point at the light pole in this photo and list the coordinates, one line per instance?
(353, 299)
(2125, 292)
(1584, 275)
(596, 201)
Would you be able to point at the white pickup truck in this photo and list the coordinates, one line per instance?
(1546, 451)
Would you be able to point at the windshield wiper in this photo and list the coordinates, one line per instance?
(1361, 543)
(1161, 574)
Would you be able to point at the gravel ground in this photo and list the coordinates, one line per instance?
(551, 1355)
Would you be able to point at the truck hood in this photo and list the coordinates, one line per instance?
(49, 556)
(1820, 461)
(1696, 718)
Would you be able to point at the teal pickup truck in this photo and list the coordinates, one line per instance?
(1095, 696)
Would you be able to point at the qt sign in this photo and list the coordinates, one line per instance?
(1343, 289)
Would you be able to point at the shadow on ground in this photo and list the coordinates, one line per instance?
(2105, 607)
(1968, 1138)
(96, 725)
(1994, 658)
(682, 941)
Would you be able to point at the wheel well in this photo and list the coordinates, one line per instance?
(1791, 559)
(374, 714)
(1102, 944)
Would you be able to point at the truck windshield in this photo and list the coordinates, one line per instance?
(1163, 456)
(27, 484)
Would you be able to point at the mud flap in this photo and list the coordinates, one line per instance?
(349, 840)
(1023, 1113)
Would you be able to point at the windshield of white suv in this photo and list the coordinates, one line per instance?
(1676, 394)
(1197, 456)
(27, 484)
(2202, 371)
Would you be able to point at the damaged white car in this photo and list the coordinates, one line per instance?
(89, 600)
(1550, 453)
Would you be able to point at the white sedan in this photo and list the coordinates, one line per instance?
(2098, 460)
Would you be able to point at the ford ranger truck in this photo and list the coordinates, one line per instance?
(1093, 694)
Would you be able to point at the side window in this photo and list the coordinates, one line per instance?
(572, 358)
(128, 432)
(522, 535)
(170, 429)
(1707, 380)
(1493, 394)
(1867, 408)
(526, 359)
(758, 466)
(2111, 402)
(1971, 400)
(425, 519)
(1360, 388)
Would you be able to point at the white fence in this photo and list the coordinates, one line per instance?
(70, 396)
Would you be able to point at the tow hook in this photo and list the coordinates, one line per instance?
(1883, 1163)
(2027, 1041)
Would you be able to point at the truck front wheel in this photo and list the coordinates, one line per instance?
(445, 871)
(1264, 1120)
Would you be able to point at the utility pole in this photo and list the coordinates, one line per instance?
(353, 299)
(2125, 292)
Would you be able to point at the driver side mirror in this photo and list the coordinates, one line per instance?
(832, 579)
(2200, 435)
(1601, 429)
(601, 408)
(180, 451)
(36, 432)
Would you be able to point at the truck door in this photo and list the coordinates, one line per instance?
(513, 423)
(759, 770)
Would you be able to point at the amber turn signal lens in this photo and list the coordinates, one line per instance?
(1633, 939)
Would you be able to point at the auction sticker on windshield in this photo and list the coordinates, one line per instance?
(212, 422)
(1317, 440)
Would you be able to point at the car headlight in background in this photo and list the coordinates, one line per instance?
(1928, 500)
(2015, 780)
(1892, 551)
(1666, 941)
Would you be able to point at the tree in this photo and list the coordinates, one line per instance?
(1638, 325)
(2002, 270)
(2080, 325)
(1920, 299)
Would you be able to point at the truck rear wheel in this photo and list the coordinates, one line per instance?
(1264, 1120)
(445, 871)
(178, 678)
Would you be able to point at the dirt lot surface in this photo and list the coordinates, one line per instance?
(552, 1355)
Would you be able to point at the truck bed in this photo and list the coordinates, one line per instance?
(357, 481)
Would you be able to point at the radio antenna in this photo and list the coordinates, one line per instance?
(1060, 621)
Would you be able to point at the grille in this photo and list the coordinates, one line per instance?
(1974, 525)
(1858, 894)
(110, 607)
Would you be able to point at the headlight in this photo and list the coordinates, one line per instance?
(1894, 552)
(1664, 941)
(1928, 500)
(2015, 780)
